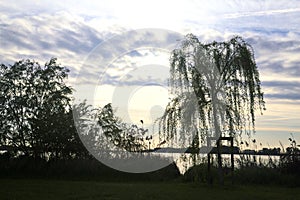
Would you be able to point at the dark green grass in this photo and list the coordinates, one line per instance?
(58, 189)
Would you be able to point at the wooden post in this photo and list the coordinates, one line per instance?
(232, 160)
(209, 178)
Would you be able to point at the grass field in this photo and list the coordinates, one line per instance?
(56, 189)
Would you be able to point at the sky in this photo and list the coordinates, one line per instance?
(75, 31)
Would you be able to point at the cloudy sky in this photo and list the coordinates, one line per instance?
(73, 31)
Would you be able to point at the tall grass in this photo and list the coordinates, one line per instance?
(251, 170)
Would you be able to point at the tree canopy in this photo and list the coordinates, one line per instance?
(216, 90)
(35, 108)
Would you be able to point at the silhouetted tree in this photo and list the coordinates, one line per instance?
(34, 101)
(85, 118)
(216, 89)
(126, 136)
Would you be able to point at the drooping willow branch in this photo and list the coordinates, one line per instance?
(216, 89)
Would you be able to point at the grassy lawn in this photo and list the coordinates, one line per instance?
(56, 189)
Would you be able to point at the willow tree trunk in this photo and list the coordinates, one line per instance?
(218, 136)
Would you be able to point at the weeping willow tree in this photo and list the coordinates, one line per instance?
(216, 91)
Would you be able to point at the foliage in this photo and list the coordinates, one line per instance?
(198, 173)
(247, 172)
(290, 163)
(122, 135)
(265, 175)
(216, 89)
(35, 110)
(77, 169)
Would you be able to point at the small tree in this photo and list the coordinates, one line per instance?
(128, 137)
(216, 89)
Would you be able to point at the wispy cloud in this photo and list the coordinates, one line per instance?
(261, 13)
(44, 36)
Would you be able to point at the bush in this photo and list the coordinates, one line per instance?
(198, 173)
(77, 169)
(265, 175)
